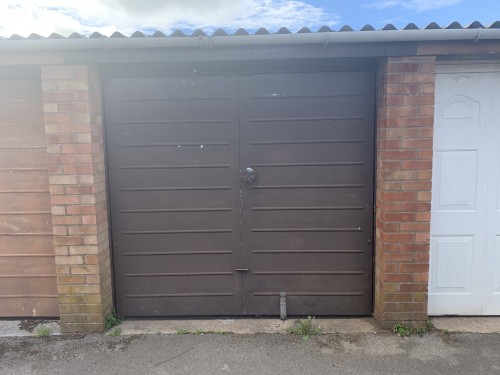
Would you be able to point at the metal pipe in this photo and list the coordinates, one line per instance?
(384, 36)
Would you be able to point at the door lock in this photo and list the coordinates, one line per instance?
(248, 175)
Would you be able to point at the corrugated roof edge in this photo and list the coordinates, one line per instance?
(262, 37)
(261, 31)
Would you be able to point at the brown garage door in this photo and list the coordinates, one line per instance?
(27, 268)
(193, 234)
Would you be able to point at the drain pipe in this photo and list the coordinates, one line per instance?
(383, 36)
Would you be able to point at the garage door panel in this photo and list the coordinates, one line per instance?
(300, 305)
(32, 223)
(177, 224)
(19, 88)
(292, 139)
(24, 158)
(26, 266)
(345, 295)
(318, 281)
(182, 261)
(309, 241)
(453, 166)
(176, 156)
(39, 306)
(175, 199)
(322, 220)
(30, 284)
(26, 245)
(264, 134)
(322, 110)
(199, 304)
(20, 113)
(169, 88)
(178, 243)
(310, 260)
(35, 200)
(306, 84)
(22, 136)
(321, 174)
(185, 177)
(182, 282)
(174, 135)
(351, 154)
(24, 180)
(172, 111)
(177, 221)
(309, 197)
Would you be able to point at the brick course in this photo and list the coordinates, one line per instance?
(403, 188)
(73, 125)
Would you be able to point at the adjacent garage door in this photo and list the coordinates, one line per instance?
(465, 226)
(27, 267)
(229, 190)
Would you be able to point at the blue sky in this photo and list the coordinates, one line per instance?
(106, 16)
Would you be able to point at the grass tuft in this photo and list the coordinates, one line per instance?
(43, 331)
(115, 332)
(112, 320)
(305, 328)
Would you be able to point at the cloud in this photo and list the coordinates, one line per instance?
(106, 16)
(418, 5)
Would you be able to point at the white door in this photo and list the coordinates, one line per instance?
(465, 221)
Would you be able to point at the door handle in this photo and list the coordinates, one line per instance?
(248, 175)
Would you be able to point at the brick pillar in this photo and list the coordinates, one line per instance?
(73, 125)
(403, 188)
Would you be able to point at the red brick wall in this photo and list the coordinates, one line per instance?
(403, 188)
(73, 126)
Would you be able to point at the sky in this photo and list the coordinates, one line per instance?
(44, 17)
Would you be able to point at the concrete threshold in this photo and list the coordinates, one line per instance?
(481, 324)
(242, 326)
(29, 327)
(23, 328)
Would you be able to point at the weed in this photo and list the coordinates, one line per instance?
(445, 331)
(218, 332)
(305, 328)
(420, 330)
(112, 320)
(429, 325)
(401, 330)
(183, 332)
(43, 331)
(115, 332)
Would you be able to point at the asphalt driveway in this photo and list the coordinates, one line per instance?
(342, 353)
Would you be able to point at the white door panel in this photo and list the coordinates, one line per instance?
(465, 223)
(491, 286)
(453, 166)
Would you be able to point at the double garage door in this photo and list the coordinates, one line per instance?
(229, 190)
